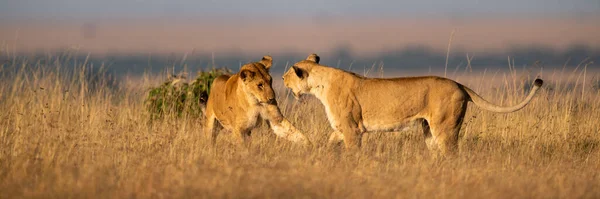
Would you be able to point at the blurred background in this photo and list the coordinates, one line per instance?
(131, 36)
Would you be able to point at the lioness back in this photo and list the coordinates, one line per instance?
(217, 92)
(218, 85)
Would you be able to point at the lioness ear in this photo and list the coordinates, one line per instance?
(246, 75)
(267, 61)
(301, 73)
(314, 57)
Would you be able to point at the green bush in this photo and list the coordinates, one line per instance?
(176, 96)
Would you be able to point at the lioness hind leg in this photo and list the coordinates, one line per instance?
(445, 132)
(446, 139)
(429, 139)
(209, 128)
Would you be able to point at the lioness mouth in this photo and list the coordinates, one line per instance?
(268, 102)
(271, 101)
(296, 95)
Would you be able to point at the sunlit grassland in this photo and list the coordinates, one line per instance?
(64, 133)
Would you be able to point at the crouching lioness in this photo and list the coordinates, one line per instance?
(238, 101)
(356, 104)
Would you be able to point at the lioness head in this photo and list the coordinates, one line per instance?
(257, 80)
(296, 77)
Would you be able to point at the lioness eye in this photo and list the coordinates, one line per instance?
(260, 85)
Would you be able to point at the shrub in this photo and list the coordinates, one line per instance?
(176, 96)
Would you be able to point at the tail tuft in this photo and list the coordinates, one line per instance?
(538, 82)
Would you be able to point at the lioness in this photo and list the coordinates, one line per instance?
(238, 101)
(355, 104)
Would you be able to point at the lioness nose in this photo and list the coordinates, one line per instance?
(272, 101)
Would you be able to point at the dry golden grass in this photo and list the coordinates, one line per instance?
(61, 137)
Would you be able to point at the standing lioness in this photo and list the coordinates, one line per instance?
(239, 100)
(356, 104)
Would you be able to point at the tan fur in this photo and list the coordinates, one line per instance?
(237, 102)
(356, 104)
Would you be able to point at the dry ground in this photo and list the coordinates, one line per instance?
(61, 137)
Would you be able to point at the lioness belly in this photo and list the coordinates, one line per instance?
(388, 126)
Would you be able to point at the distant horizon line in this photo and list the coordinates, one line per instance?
(337, 49)
(242, 18)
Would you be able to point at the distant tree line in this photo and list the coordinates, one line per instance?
(410, 58)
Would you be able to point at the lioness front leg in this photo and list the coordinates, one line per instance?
(352, 137)
(283, 128)
(287, 131)
(350, 128)
(335, 138)
(242, 136)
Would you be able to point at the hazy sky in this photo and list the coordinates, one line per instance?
(86, 9)
(299, 25)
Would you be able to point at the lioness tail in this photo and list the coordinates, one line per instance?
(480, 102)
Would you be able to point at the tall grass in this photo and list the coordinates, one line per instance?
(64, 135)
